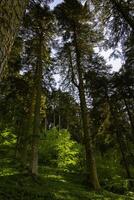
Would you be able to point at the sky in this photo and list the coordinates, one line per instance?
(55, 3)
(116, 63)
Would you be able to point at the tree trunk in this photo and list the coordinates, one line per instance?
(122, 150)
(129, 115)
(18, 142)
(11, 13)
(27, 132)
(90, 159)
(36, 128)
(121, 144)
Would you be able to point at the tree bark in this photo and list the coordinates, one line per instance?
(36, 128)
(121, 144)
(129, 115)
(27, 132)
(125, 162)
(90, 159)
(11, 13)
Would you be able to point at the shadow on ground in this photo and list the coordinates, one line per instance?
(52, 184)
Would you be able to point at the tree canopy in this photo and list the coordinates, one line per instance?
(66, 118)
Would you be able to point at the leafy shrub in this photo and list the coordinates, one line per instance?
(58, 149)
(7, 137)
(111, 173)
(109, 166)
(7, 143)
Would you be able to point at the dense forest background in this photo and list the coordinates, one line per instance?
(72, 138)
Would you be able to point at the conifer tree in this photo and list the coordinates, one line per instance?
(11, 13)
(73, 22)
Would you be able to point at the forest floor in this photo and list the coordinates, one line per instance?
(52, 184)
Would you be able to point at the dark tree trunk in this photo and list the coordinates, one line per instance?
(27, 132)
(129, 115)
(121, 143)
(36, 126)
(125, 161)
(11, 13)
(18, 142)
(90, 159)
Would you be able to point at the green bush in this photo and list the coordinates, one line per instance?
(58, 149)
(111, 173)
(7, 144)
(109, 165)
(7, 137)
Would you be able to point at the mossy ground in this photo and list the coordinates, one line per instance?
(52, 184)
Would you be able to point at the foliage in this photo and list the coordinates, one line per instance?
(53, 184)
(117, 17)
(63, 112)
(7, 137)
(65, 41)
(59, 149)
(106, 165)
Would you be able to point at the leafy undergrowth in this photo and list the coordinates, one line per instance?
(52, 184)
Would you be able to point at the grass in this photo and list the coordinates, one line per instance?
(52, 184)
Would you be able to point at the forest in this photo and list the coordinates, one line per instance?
(66, 116)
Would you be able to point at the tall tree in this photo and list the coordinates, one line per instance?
(38, 23)
(73, 21)
(11, 13)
